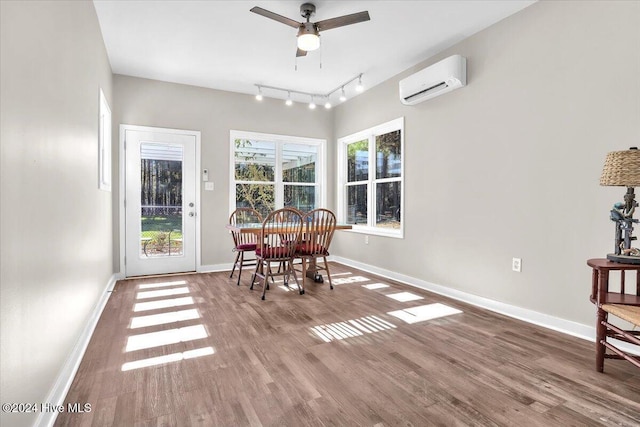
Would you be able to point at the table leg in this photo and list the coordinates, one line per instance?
(601, 332)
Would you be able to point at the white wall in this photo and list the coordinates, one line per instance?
(214, 113)
(56, 247)
(509, 165)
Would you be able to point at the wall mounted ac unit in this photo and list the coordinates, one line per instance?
(441, 77)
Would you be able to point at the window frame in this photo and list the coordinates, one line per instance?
(279, 141)
(372, 180)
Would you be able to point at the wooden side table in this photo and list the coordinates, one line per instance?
(601, 294)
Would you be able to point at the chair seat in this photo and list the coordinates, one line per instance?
(273, 252)
(307, 249)
(246, 247)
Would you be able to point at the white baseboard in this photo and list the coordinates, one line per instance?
(558, 324)
(61, 387)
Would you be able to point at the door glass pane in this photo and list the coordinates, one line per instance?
(357, 204)
(299, 163)
(160, 200)
(358, 161)
(301, 197)
(388, 205)
(388, 160)
(260, 197)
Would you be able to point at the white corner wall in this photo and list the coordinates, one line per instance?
(56, 247)
(509, 165)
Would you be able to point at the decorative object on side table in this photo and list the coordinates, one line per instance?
(622, 168)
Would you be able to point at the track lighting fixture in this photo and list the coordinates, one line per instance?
(324, 96)
(359, 87)
(343, 96)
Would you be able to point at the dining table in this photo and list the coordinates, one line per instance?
(256, 228)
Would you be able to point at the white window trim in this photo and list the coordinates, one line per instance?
(321, 176)
(104, 144)
(370, 134)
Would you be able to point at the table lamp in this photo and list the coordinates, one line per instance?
(622, 168)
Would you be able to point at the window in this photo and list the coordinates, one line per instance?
(104, 145)
(370, 187)
(269, 172)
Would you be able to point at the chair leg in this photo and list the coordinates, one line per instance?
(295, 277)
(241, 253)
(255, 272)
(234, 264)
(265, 282)
(326, 267)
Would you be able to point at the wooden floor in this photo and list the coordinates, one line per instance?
(296, 360)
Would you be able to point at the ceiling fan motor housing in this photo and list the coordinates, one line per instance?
(307, 10)
(308, 28)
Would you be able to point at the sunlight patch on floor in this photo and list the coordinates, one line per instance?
(165, 303)
(405, 296)
(175, 357)
(347, 280)
(162, 284)
(162, 293)
(292, 287)
(424, 312)
(164, 318)
(375, 286)
(171, 336)
(351, 328)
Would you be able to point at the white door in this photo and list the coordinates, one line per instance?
(160, 202)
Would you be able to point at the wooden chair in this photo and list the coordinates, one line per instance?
(244, 242)
(320, 224)
(629, 313)
(277, 244)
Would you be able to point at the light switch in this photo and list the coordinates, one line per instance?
(205, 175)
(208, 186)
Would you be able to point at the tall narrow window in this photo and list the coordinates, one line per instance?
(274, 171)
(370, 190)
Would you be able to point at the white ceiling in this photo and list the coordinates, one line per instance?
(221, 45)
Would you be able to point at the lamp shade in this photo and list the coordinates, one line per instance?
(622, 168)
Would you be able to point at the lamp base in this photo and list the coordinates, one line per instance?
(624, 259)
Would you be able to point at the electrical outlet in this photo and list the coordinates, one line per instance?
(516, 264)
(366, 239)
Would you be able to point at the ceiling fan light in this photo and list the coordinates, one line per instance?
(308, 39)
(308, 42)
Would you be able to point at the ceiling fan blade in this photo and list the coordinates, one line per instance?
(268, 14)
(301, 52)
(341, 21)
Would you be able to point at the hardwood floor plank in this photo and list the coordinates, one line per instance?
(333, 358)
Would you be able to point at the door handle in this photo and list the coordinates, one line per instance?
(192, 214)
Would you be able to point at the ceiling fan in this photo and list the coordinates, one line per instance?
(309, 32)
